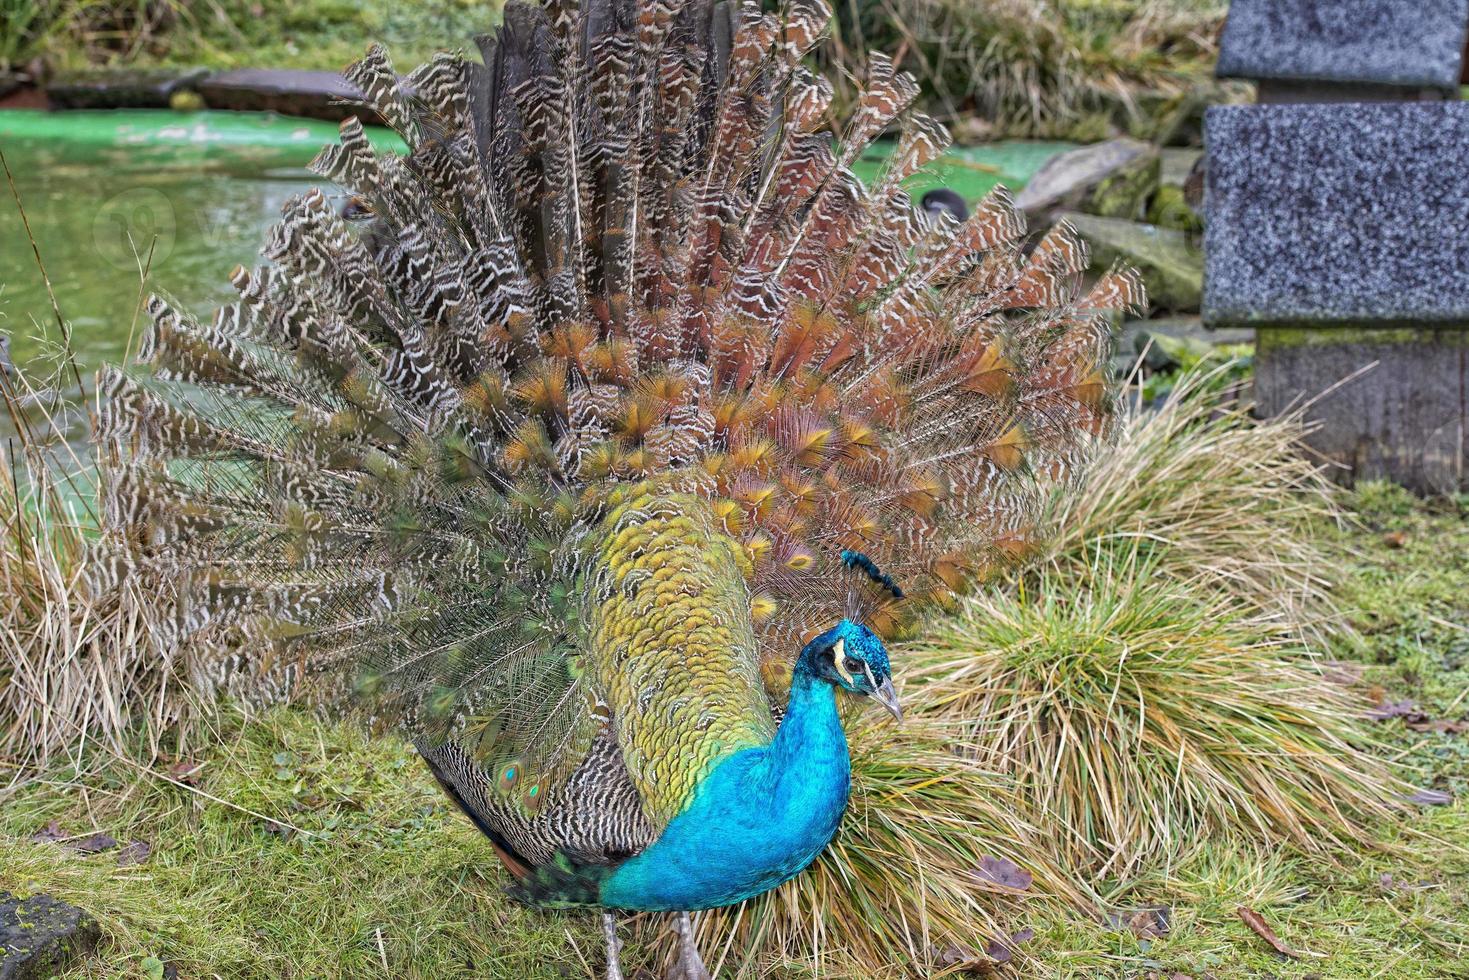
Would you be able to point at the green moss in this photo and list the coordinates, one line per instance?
(1278, 337)
(1125, 193)
(1169, 209)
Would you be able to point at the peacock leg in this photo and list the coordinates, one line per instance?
(689, 965)
(614, 946)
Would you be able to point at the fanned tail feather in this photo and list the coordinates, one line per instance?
(619, 255)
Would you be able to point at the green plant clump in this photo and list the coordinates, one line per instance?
(1071, 69)
(314, 34)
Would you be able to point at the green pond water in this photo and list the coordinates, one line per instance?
(102, 188)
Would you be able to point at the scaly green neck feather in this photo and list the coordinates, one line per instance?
(674, 647)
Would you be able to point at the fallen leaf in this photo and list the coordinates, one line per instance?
(1430, 797)
(95, 844)
(1441, 725)
(136, 852)
(185, 771)
(954, 958)
(1395, 709)
(1262, 929)
(1150, 922)
(1003, 950)
(51, 832)
(998, 951)
(1395, 539)
(1004, 873)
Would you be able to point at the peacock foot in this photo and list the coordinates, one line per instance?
(614, 946)
(688, 965)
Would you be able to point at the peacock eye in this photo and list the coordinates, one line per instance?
(853, 665)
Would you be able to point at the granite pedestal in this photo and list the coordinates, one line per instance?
(1346, 50)
(1339, 233)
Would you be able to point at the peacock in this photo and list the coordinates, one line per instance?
(603, 442)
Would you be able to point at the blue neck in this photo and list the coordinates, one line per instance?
(810, 734)
(759, 818)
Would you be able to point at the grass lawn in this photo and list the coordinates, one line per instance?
(290, 849)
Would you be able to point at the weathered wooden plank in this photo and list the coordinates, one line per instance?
(1403, 417)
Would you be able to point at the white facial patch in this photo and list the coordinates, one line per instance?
(838, 654)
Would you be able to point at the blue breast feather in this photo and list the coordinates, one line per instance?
(756, 820)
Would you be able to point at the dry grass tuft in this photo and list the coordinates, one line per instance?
(1139, 712)
(1211, 495)
(1043, 68)
(73, 666)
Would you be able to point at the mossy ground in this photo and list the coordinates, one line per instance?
(314, 851)
(303, 851)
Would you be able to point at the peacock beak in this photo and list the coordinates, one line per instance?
(888, 698)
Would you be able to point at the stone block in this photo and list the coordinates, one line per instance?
(315, 94)
(1378, 48)
(1116, 177)
(1337, 231)
(120, 88)
(1337, 215)
(41, 937)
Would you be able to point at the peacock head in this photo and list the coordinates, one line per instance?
(850, 656)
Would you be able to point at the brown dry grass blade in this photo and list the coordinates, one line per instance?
(1262, 929)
